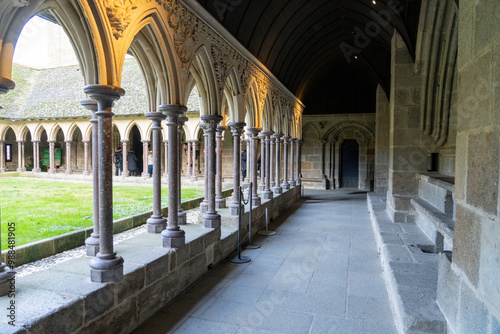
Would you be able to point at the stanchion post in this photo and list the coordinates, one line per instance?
(240, 259)
(267, 232)
(250, 246)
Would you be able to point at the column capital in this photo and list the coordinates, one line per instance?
(292, 140)
(211, 121)
(182, 120)
(236, 128)
(51, 141)
(220, 128)
(145, 141)
(6, 85)
(33, 141)
(68, 141)
(20, 141)
(155, 116)
(172, 111)
(105, 95)
(253, 131)
(89, 104)
(285, 138)
(124, 141)
(267, 133)
(277, 135)
(85, 141)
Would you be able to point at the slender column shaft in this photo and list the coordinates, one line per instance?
(211, 218)
(337, 163)
(220, 202)
(106, 266)
(52, 163)
(86, 157)
(194, 175)
(173, 236)
(291, 182)
(125, 172)
(182, 218)
(267, 193)
(145, 163)
(92, 243)
(165, 174)
(253, 163)
(285, 184)
(262, 161)
(271, 159)
(2, 155)
(156, 223)
(204, 204)
(236, 130)
(277, 188)
(20, 155)
(189, 163)
(69, 170)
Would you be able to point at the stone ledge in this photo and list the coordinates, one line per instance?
(434, 222)
(63, 300)
(411, 275)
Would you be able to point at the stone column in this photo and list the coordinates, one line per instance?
(188, 153)
(236, 130)
(204, 203)
(211, 218)
(92, 242)
(382, 132)
(277, 188)
(165, 174)
(86, 157)
(271, 159)
(173, 236)
(2, 155)
(262, 138)
(181, 215)
(253, 133)
(68, 171)
(338, 144)
(36, 157)
(266, 153)
(220, 202)
(194, 174)
(156, 223)
(52, 167)
(297, 150)
(125, 172)
(106, 266)
(291, 182)
(20, 153)
(249, 158)
(145, 163)
(285, 184)
(363, 174)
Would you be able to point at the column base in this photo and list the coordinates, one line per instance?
(19, 170)
(256, 201)
(68, 172)
(2, 170)
(267, 194)
(181, 217)
(173, 238)
(211, 220)
(234, 209)
(285, 186)
(51, 171)
(156, 224)
(220, 203)
(204, 206)
(85, 173)
(261, 187)
(92, 245)
(291, 183)
(125, 174)
(277, 190)
(145, 175)
(6, 274)
(194, 178)
(188, 175)
(106, 268)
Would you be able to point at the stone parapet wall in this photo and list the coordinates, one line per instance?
(63, 300)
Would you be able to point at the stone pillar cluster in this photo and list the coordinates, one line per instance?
(236, 130)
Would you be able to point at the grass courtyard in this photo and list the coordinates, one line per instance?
(45, 208)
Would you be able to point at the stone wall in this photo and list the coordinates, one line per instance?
(469, 286)
(382, 142)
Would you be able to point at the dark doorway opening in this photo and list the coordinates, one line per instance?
(137, 147)
(349, 163)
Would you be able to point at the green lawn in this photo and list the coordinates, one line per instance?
(42, 209)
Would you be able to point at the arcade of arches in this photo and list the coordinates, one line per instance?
(398, 99)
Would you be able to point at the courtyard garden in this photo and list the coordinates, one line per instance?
(45, 208)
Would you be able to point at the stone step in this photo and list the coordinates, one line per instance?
(411, 275)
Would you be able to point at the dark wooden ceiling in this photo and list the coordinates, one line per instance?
(302, 42)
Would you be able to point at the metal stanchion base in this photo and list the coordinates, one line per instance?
(252, 247)
(240, 259)
(266, 233)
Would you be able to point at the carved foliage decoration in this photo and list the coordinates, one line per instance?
(220, 68)
(119, 14)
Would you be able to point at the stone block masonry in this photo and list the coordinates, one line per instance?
(63, 300)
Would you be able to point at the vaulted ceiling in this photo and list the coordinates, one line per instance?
(313, 46)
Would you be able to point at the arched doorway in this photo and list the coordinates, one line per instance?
(349, 163)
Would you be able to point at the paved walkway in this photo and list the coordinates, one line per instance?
(320, 274)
